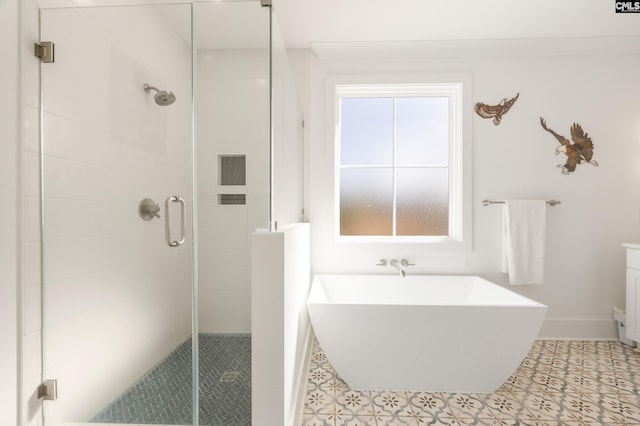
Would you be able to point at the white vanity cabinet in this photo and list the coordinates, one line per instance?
(633, 291)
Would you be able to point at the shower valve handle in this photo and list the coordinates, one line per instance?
(148, 209)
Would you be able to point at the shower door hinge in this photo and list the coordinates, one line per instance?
(44, 51)
(265, 3)
(48, 390)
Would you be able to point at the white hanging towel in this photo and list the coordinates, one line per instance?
(523, 241)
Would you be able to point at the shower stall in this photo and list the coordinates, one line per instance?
(169, 133)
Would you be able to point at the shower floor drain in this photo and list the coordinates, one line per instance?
(229, 376)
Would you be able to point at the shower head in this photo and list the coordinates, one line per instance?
(162, 97)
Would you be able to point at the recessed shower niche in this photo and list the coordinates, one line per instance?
(232, 178)
(233, 170)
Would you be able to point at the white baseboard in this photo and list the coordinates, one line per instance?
(578, 329)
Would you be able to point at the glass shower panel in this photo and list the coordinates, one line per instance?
(232, 142)
(232, 110)
(116, 297)
(287, 130)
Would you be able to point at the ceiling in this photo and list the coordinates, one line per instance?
(304, 23)
(323, 23)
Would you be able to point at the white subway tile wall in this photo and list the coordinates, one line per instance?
(232, 107)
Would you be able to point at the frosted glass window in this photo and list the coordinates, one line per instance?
(366, 131)
(366, 201)
(394, 163)
(422, 130)
(422, 201)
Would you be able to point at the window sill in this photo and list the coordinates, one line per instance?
(424, 243)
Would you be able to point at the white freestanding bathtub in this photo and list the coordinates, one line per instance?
(422, 332)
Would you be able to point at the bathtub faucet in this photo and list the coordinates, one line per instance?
(401, 266)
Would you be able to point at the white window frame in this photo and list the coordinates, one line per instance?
(457, 88)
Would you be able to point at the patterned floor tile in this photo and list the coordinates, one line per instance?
(318, 420)
(427, 402)
(582, 406)
(558, 383)
(553, 361)
(505, 403)
(320, 376)
(453, 416)
(396, 421)
(340, 384)
(466, 404)
(547, 381)
(498, 420)
(393, 404)
(530, 361)
(319, 400)
(582, 381)
(355, 420)
(583, 362)
(357, 403)
(618, 406)
(543, 405)
(618, 383)
(519, 381)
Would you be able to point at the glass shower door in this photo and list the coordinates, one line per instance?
(117, 173)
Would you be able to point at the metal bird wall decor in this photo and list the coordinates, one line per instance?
(579, 149)
(495, 111)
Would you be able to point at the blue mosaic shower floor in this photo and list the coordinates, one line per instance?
(163, 395)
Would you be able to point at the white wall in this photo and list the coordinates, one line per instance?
(117, 297)
(9, 19)
(232, 107)
(586, 81)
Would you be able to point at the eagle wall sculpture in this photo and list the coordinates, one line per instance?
(495, 111)
(579, 149)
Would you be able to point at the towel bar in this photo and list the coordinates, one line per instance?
(487, 202)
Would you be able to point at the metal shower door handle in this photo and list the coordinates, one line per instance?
(167, 224)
